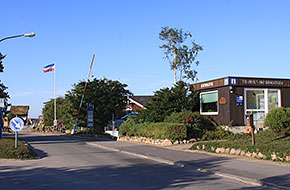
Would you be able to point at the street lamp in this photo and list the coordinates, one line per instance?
(32, 34)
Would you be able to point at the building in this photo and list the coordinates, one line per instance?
(231, 98)
(135, 103)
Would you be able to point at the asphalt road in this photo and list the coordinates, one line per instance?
(67, 163)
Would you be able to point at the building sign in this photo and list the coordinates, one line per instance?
(233, 81)
(262, 82)
(206, 85)
(240, 81)
(223, 100)
(239, 100)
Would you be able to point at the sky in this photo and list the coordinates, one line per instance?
(239, 38)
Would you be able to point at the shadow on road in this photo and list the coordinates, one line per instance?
(145, 176)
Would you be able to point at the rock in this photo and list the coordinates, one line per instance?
(218, 150)
(222, 150)
(203, 146)
(238, 151)
(212, 148)
(176, 142)
(273, 156)
(287, 159)
(255, 155)
(249, 154)
(184, 141)
(262, 156)
(227, 151)
(166, 142)
(197, 147)
(233, 151)
(243, 153)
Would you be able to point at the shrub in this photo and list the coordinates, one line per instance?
(278, 120)
(196, 125)
(128, 128)
(178, 117)
(172, 131)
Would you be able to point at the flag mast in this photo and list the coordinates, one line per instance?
(55, 121)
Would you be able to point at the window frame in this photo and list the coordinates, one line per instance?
(209, 113)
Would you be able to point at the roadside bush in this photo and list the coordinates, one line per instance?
(196, 125)
(278, 120)
(172, 131)
(128, 128)
(178, 117)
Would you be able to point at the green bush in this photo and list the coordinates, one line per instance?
(196, 125)
(128, 128)
(172, 131)
(278, 120)
(178, 117)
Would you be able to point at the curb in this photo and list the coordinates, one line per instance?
(221, 174)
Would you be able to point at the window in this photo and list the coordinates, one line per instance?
(209, 103)
(260, 102)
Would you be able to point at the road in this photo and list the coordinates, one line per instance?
(68, 163)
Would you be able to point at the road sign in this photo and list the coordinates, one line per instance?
(2, 102)
(16, 124)
(90, 121)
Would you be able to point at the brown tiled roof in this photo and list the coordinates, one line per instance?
(19, 110)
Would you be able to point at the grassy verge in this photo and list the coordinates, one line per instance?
(8, 150)
(266, 143)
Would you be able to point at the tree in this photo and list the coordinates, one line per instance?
(3, 88)
(165, 101)
(179, 54)
(109, 97)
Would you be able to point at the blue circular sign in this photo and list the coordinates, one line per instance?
(16, 124)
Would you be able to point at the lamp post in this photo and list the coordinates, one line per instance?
(32, 34)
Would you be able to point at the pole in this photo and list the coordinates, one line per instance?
(76, 124)
(16, 134)
(55, 121)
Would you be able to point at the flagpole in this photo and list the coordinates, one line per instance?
(55, 122)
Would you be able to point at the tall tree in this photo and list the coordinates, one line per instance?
(179, 52)
(3, 88)
(109, 97)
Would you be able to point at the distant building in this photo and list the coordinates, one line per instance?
(135, 103)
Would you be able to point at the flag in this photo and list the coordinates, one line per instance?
(49, 68)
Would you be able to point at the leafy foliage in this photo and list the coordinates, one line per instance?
(179, 54)
(109, 97)
(3, 88)
(167, 101)
(279, 120)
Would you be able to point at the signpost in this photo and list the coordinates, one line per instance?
(16, 124)
(90, 121)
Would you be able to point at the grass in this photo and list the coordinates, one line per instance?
(8, 150)
(266, 142)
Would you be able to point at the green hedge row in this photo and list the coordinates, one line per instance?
(172, 131)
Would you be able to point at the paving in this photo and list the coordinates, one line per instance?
(252, 172)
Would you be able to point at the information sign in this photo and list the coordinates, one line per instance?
(16, 124)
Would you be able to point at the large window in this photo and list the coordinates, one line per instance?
(209, 103)
(260, 102)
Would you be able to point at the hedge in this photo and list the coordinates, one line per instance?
(172, 131)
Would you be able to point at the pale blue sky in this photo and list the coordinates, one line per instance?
(240, 37)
